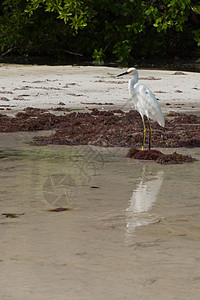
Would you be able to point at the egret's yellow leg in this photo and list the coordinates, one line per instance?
(144, 134)
(150, 135)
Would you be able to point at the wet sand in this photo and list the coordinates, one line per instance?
(132, 228)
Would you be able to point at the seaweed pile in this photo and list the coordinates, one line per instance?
(113, 128)
(104, 128)
(159, 157)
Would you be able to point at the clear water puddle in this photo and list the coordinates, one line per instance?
(132, 228)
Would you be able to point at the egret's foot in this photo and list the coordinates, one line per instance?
(142, 148)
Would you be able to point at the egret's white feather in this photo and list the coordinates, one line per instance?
(145, 102)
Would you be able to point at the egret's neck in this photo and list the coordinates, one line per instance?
(134, 80)
(132, 83)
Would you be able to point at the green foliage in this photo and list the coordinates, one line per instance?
(98, 56)
(69, 11)
(196, 32)
(101, 29)
(122, 50)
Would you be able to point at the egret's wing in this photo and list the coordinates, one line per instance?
(148, 105)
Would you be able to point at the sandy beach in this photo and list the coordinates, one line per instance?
(24, 86)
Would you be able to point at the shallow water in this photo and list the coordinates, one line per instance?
(132, 230)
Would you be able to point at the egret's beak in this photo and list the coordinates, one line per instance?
(123, 74)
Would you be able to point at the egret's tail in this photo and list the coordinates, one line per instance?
(161, 121)
(159, 117)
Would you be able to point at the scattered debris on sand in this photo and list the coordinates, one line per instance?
(59, 209)
(12, 215)
(97, 103)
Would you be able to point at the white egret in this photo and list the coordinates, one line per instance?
(145, 102)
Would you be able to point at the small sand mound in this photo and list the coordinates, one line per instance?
(158, 156)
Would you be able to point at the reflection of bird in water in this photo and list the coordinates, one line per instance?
(145, 102)
(141, 202)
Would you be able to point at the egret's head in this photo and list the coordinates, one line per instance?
(131, 71)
